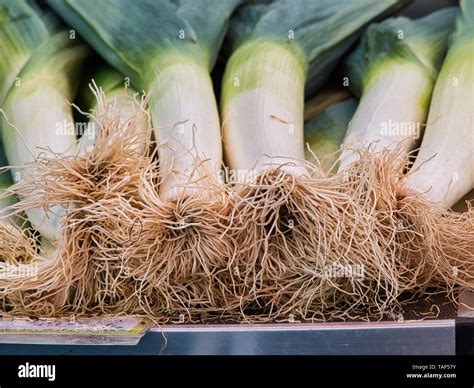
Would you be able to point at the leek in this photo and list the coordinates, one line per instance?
(394, 70)
(108, 79)
(426, 240)
(286, 215)
(167, 48)
(84, 267)
(325, 132)
(443, 171)
(37, 81)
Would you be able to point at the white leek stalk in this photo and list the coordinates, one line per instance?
(394, 69)
(263, 102)
(167, 48)
(184, 113)
(444, 168)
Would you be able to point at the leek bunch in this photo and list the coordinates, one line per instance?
(405, 87)
(292, 224)
(323, 208)
(55, 172)
(168, 49)
(443, 171)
